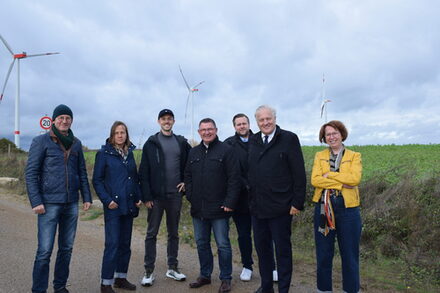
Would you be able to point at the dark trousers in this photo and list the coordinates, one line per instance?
(171, 207)
(117, 250)
(348, 232)
(268, 232)
(243, 223)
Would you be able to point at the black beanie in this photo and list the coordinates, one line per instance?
(61, 110)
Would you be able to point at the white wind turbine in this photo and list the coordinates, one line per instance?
(17, 96)
(324, 101)
(191, 91)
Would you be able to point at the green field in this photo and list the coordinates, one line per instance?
(400, 207)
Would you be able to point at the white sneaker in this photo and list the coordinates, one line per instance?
(148, 279)
(275, 276)
(175, 274)
(246, 275)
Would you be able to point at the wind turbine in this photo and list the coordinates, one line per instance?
(17, 97)
(191, 91)
(324, 101)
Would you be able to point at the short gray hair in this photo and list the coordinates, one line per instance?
(266, 107)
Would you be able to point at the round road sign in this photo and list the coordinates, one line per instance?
(45, 122)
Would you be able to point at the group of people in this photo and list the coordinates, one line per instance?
(257, 179)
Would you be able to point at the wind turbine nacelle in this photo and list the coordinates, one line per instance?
(195, 90)
(20, 56)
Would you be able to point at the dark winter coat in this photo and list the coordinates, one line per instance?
(56, 175)
(116, 180)
(276, 175)
(152, 168)
(212, 180)
(241, 153)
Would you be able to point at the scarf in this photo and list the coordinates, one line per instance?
(66, 140)
(327, 219)
(123, 152)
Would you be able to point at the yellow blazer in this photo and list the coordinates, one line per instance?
(350, 173)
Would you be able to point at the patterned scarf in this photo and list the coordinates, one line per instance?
(327, 221)
(123, 152)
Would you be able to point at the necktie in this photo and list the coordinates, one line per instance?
(266, 139)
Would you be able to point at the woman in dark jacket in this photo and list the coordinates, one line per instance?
(116, 183)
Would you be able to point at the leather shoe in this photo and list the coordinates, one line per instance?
(260, 290)
(123, 283)
(107, 289)
(225, 286)
(200, 282)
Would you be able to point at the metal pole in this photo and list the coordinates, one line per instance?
(17, 109)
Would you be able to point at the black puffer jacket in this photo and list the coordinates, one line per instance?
(152, 167)
(212, 180)
(277, 176)
(241, 152)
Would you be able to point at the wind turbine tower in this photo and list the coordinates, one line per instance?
(324, 100)
(17, 57)
(189, 99)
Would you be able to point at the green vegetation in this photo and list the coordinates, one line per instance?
(400, 194)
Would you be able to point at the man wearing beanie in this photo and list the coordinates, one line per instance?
(55, 173)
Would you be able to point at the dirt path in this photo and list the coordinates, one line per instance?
(18, 245)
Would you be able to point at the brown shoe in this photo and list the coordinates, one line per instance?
(200, 282)
(225, 286)
(107, 289)
(124, 284)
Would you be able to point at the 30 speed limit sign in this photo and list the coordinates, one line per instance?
(45, 122)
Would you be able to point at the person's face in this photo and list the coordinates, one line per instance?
(207, 132)
(63, 123)
(266, 122)
(166, 123)
(120, 136)
(333, 137)
(241, 126)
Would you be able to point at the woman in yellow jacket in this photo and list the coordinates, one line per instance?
(336, 175)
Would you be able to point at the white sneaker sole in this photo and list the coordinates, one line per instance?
(175, 278)
(147, 284)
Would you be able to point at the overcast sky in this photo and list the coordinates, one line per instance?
(120, 61)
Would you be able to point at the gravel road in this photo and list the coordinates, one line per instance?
(18, 244)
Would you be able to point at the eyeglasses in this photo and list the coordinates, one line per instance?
(206, 129)
(332, 134)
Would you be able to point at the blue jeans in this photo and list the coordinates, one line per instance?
(65, 217)
(244, 228)
(348, 232)
(267, 234)
(117, 250)
(202, 234)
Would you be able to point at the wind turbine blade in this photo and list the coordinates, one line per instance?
(42, 54)
(194, 87)
(322, 108)
(7, 45)
(181, 72)
(7, 77)
(186, 107)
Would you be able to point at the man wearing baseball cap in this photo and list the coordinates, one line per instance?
(55, 173)
(161, 172)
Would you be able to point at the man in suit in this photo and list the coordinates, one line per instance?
(277, 191)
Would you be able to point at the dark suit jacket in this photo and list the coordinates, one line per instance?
(276, 175)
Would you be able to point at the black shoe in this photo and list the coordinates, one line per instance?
(200, 282)
(225, 286)
(124, 284)
(260, 290)
(107, 289)
(61, 290)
